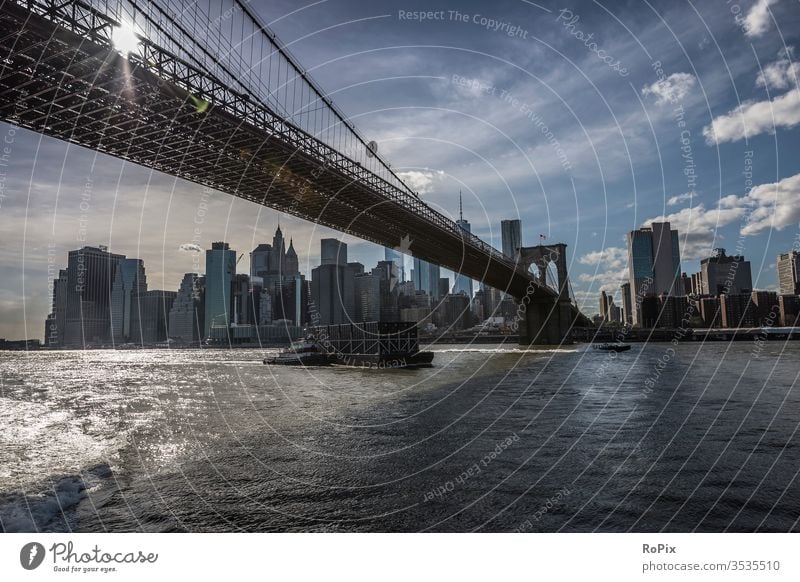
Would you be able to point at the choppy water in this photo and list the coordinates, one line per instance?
(492, 438)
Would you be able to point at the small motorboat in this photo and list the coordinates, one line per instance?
(613, 347)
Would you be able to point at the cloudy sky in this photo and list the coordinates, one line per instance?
(584, 119)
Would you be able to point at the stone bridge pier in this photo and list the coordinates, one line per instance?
(546, 318)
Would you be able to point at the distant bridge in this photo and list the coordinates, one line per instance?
(210, 95)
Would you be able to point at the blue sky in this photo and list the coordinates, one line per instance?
(584, 119)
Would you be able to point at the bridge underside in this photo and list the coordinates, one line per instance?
(56, 82)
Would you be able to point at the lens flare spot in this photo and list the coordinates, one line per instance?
(125, 39)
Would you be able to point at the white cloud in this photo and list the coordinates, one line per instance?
(670, 90)
(774, 205)
(753, 118)
(675, 200)
(420, 181)
(610, 257)
(781, 74)
(612, 268)
(767, 206)
(608, 281)
(757, 21)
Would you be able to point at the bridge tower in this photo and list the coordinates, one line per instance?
(546, 319)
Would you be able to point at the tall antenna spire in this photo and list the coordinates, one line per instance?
(460, 207)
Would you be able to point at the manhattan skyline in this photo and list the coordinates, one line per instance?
(455, 110)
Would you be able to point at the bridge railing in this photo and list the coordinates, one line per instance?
(229, 40)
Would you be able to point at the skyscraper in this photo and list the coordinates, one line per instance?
(186, 315)
(291, 262)
(332, 284)
(789, 273)
(426, 277)
(654, 264)
(626, 303)
(55, 325)
(150, 316)
(389, 288)
(605, 303)
(129, 279)
(260, 260)
(368, 297)
(398, 259)
(463, 284)
(220, 269)
(273, 268)
(333, 252)
(723, 274)
(90, 277)
(511, 233)
(278, 259)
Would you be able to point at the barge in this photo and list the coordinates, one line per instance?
(357, 345)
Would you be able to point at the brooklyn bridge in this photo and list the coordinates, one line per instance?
(207, 93)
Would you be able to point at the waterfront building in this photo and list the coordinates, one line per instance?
(333, 285)
(56, 320)
(788, 265)
(765, 308)
(220, 271)
(649, 310)
(245, 300)
(736, 310)
(188, 310)
(722, 274)
(697, 284)
(626, 303)
(789, 306)
(291, 304)
(418, 315)
(150, 316)
(90, 277)
(654, 265)
(129, 279)
(710, 311)
(453, 312)
(671, 310)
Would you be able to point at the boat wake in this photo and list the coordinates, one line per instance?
(52, 507)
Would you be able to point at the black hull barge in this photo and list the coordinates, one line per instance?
(376, 345)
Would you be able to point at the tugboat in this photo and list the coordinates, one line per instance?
(612, 347)
(305, 352)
